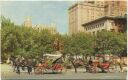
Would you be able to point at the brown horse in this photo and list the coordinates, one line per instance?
(104, 66)
(39, 69)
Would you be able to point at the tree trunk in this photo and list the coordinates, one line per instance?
(83, 57)
(74, 66)
(76, 56)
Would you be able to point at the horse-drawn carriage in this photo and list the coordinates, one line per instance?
(43, 68)
(54, 66)
(98, 64)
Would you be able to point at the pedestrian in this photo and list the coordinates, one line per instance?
(34, 62)
(18, 66)
(13, 62)
(29, 66)
(90, 62)
(23, 65)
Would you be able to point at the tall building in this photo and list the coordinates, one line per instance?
(28, 22)
(89, 12)
(51, 28)
(113, 20)
(82, 12)
(115, 8)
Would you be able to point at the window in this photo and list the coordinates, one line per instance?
(92, 26)
(120, 30)
(96, 26)
(102, 24)
(103, 29)
(116, 24)
(87, 28)
(94, 32)
(92, 2)
(112, 30)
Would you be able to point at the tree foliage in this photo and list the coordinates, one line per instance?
(110, 42)
(78, 44)
(29, 42)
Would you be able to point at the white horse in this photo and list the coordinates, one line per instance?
(121, 63)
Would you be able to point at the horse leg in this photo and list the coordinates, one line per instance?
(120, 65)
(29, 70)
(14, 68)
(42, 71)
(18, 69)
(34, 69)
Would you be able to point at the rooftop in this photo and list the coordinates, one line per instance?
(85, 3)
(104, 18)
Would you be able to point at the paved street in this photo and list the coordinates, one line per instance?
(7, 73)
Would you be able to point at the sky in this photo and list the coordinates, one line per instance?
(40, 12)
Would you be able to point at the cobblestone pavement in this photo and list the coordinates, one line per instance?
(7, 73)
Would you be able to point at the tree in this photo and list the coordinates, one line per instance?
(8, 41)
(30, 42)
(77, 45)
(110, 42)
(20, 40)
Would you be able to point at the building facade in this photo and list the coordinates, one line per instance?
(51, 28)
(27, 22)
(115, 8)
(89, 11)
(116, 24)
